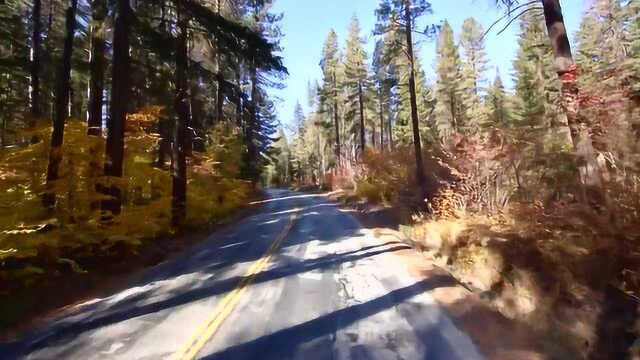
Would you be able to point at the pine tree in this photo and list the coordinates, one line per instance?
(329, 98)
(265, 70)
(602, 41)
(402, 15)
(403, 130)
(473, 72)
(496, 101)
(382, 90)
(298, 118)
(449, 107)
(63, 89)
(535, 82)
(97, 65)
(356, 80)
(36, 49)
(299, 144)
(632, 64)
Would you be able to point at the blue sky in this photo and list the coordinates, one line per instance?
(307, 22)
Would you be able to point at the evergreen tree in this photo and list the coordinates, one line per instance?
(536, 85)
(602, 41)
(382, 90)
(63, 90)
(449, 107)
(97, 66)
(329, 97)
(264, 72)
(356, 80)
(298, 119)
(632, 64)
(36, 49)
(473, 72)
(401, 15)
(496, 101)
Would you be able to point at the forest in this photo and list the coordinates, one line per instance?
(127, 122)
(525, 193)
(123, 123)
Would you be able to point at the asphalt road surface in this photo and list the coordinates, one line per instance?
(301, 279)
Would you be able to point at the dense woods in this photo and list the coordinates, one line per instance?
(551, 164)
(125, 122)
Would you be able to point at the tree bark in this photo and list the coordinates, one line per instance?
(239, 106)
(252, 150)
(63, 90)
(120, 97)
(219, 77)
(36, 39)
(390, 131)
(589, 172)
(179, 161)
(363, 140)
(219, 98)
(336, 120)
(381, 96)
(97, 67)
(415, 123)
(164, 144)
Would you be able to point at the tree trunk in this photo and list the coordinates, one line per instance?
(219, 98)
(120, 97)
(63, 90)
(178, 161)
(239, 109)
(50, 21)
(390, 131)
(36, 111)
(198, 122)
(589, 172)
(381, 120)
(336, 119)
(219, 77)
(252, 151)
(164, 145)
(415, 123)
(363, 140)
(97, 67)
(3, 116)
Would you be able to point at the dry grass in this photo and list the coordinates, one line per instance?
(550, 270)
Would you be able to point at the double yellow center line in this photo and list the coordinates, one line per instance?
(204, 333)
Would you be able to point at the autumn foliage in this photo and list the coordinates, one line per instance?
(37, 243)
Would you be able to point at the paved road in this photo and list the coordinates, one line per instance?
(298, 280)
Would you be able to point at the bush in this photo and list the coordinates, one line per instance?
(36, 242)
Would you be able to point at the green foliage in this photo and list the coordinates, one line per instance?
(473, 73)
(602, 41)
(355, 80)
(450, 112)
(496, 104)
(537, 85)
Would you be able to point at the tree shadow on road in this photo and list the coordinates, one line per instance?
(135, 307)
(306, 340)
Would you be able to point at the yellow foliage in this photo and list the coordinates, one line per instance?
(73, 233)
(384, 175)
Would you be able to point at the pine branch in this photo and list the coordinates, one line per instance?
(508, 14)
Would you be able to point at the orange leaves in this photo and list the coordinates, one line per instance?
(144, 120)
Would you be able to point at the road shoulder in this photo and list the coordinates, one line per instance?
(81, 288)
(496, 337)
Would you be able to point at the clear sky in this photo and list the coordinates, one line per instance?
(307, 22)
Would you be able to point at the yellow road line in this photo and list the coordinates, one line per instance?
(204, 333)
